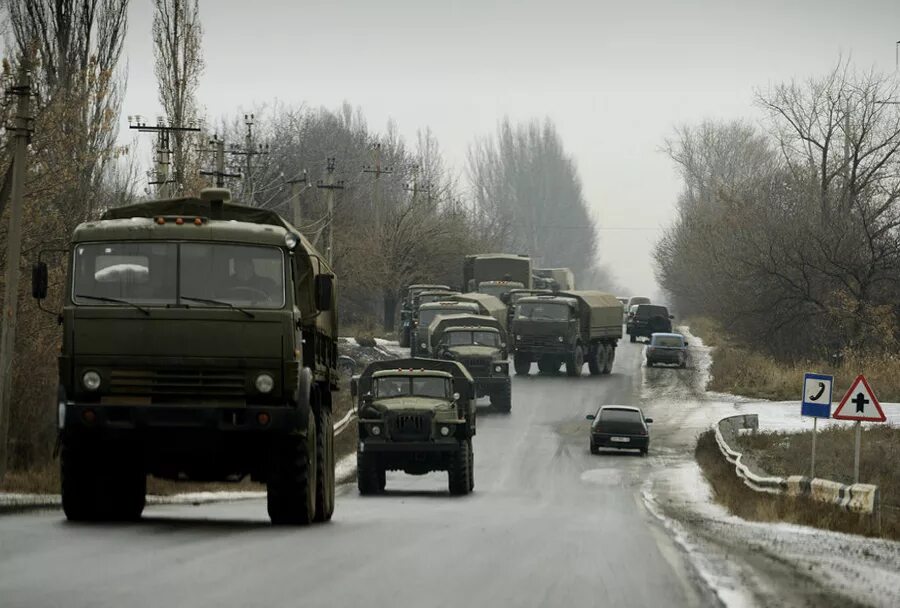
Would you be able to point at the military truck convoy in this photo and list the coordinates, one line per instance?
(571, 328)
(492, 269)
(199, 343)
(562, 279)
(426, 313)
(416, 416)
(408, 306)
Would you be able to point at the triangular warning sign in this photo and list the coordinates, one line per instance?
(860, 403)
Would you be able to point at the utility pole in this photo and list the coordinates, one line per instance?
(415, 188)
(218, 150)
(329, 185)
(163, 152)
(21, 131)
(377, 171)
(296, 191)
(249, 151)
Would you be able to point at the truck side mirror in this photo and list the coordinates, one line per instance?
(324, 291)
(39, 280)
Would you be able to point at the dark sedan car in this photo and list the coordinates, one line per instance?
(667, 348)
(621, 427)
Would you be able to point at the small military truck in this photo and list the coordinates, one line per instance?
(488, 305)
(567, 327)
(562, 279)
(419, 347)
(486, 267)
(406, 309)
(480, 344)
(199, 343)
(416, 416)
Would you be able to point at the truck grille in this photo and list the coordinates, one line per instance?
(171, 384)
(410, 427)
(539, 341)
(476, 366)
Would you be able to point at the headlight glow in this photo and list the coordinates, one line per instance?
(264, 383)
(445, 431)
(291, 240)
(375, 430)
(560, 338)
(498, 368)
(91, 380)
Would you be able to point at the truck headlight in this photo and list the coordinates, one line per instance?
(423, 345)
(375, 430)
(445, 431)
(560, 338)
(264, 383)
(499, 369)
(91, 380)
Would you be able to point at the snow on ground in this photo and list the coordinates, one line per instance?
(11, 501)
(743, 562)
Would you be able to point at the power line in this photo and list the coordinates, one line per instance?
(163, 152)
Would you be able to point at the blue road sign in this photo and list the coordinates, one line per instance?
(816, 396)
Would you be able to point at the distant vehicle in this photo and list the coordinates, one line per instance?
(649, 319)
(667, 348)
(574, 328)
(635, 300)
(416, 416)
(624, 302)
(621, 427)
(427, 313)
(406, 309)
(562, 279)
(485, 267)
(499, 289)
(513, 298)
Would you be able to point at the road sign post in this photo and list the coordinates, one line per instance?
(862, 406)
(816, 403)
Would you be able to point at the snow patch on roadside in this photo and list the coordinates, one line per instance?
(12, 501)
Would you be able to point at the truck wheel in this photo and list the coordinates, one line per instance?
(96, 488)
(458, 475)
(596, 360)
(324, 465)
(370, 478)
(610, 358)
(502, 401)
(291, 487)
(471, 466)
(125, 487)
(522, 365)
(575, 362)
(548, 366)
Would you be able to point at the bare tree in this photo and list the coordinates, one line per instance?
(177, 46)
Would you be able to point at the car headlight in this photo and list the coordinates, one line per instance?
(375, 430)
(91, 380)
(445, 431)
(423, 345)
(264, 383)
(560, 338)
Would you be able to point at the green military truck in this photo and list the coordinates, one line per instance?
(567, 327)
(488, 305)
(416, 416)
(480, 344)
(199, 343)
(488, 267)
(407, 309)
(419, 346)
(562, 279)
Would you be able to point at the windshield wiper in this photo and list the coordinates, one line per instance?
(219, 303)
(113, 301)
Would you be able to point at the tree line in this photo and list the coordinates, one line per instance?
(412, 222)
(787, 232)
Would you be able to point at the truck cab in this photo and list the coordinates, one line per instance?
(420, 345)
(407, 308)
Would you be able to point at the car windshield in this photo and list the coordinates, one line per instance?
(617, 415)
(468, 338)
(668, 341)
(192, 274)
(412, 386)
(542, 311)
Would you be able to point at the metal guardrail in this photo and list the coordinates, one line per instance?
(856, 498)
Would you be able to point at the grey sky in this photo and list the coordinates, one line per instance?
(616, 77)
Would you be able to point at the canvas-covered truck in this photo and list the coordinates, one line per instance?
(427, 313)
(407, 308)
(199, 343)
(488, 305)
(485, 267)
(571, 328)
(480, 344)
(416, 416)
(562, 279)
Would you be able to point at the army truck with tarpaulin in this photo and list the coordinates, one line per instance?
(561, 279)
(417, 416)
(488, 267)
(406, 309)
(571, 328)
(199, 343)
(419, 347)
(478, 342)
(512, 298)
(488, 305)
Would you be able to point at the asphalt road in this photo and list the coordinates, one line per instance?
(548, 525)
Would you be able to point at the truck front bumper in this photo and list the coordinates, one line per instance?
(382, 446)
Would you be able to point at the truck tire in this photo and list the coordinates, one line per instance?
(471, 466)
(458, 474)
(502, 399)
(125, 487)
(370, 477)
(597, 359)
(548, 366)
(610, 358)
(324, 465)
(291, 486)
(575, 362)
(95, 488)
(522, 365)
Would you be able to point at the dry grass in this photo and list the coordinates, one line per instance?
(729, 490)
(740, 371)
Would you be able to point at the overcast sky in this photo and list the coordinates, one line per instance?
(615, 77)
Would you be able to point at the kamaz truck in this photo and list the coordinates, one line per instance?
(571, 328)
(491, 268)
(416, 416)
(480, 344)
(198, 343)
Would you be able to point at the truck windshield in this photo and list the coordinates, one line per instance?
(542, 311)
(477, 338)
(407, 386)
(160, 274)
(498, 289)
(427, 316)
